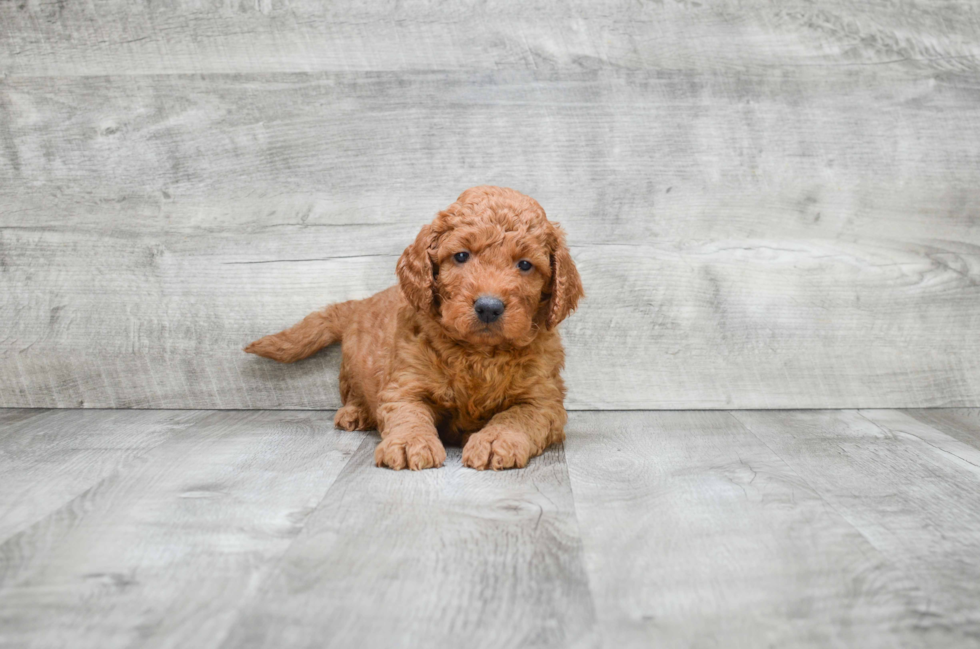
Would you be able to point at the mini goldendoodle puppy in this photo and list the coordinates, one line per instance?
(464, 347)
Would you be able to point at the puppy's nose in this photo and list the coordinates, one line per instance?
(488, 309)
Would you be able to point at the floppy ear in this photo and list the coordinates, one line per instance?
(566, 285)
(415, 272)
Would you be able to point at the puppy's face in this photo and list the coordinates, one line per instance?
(491, 269)
(490, 281)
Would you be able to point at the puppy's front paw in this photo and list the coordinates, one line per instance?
(352, 417)
(497, 449)
(410, 450)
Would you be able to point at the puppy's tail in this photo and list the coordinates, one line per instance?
(307, 337)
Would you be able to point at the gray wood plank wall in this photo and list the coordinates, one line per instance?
(772, 204)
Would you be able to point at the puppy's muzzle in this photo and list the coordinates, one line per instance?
(488, 309)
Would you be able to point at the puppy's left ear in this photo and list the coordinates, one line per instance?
(415, 271)
(566, 285)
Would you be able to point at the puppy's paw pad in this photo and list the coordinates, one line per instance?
(497, 450)
(410, 451)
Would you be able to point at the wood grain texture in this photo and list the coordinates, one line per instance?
(960, 423)
(162, 552)
(772, 204)
(912, 491)
(268, 528)
(243, 36)
(440, 558)
(51, 458)
(801, 236)
(697, 534)
(12, 419)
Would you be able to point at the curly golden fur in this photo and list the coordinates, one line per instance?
(419, 363)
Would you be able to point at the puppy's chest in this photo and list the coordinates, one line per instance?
(473, 392)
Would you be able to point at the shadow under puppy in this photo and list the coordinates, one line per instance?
(464, 347)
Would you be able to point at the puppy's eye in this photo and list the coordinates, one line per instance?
(461, 257)
(525, 265)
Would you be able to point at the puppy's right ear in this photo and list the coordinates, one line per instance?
(416, 275)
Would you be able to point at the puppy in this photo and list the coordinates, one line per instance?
(464, 348)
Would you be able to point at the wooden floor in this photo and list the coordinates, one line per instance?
(124, 528)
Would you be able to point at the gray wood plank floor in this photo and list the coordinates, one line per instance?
(674, 529)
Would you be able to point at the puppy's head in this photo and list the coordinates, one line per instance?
(491, 269)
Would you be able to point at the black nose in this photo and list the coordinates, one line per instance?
(488, 309)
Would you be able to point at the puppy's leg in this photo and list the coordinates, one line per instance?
(514, 436)
(408, 437)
